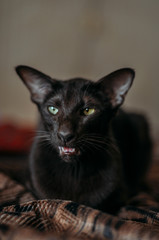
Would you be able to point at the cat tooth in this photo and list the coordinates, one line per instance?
(64, 149)
(72, 150)
(61, 150)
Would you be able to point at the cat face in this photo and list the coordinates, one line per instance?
(76, 112)
(74, 115)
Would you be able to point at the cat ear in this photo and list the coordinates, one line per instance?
(116, 85)
(38, 83)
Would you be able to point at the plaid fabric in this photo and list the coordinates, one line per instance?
(24, 217)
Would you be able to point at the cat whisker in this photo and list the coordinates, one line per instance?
(107, 141)
(85, 92)
(86, 142)
(98, 143)
(82, 146)
(97, 136)
(96, 146)
(95, 140)
(43, 138)
(45, 142)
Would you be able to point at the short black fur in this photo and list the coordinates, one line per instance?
(87, 150)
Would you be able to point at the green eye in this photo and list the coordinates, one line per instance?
(53, 110)
(88, 111)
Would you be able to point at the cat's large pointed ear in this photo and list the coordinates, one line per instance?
(116, 85)
(38, 83)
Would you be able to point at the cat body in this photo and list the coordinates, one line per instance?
(86, 149)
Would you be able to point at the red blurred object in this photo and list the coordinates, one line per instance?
(15, 139)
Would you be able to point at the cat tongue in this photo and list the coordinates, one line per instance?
(67, 151)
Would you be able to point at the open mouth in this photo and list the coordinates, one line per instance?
(68, 151)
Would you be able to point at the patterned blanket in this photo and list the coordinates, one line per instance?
(24, 217)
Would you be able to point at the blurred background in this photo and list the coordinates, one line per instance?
(86, 38)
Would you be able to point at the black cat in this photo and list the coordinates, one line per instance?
(86, 149)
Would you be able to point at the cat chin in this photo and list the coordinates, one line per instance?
(69, 158)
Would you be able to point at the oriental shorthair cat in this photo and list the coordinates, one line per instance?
(86, 149)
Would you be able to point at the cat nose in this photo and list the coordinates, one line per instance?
(65, 136)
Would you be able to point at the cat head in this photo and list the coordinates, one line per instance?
(76, 112)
